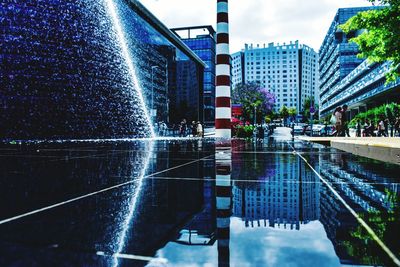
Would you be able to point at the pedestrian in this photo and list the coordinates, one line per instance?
(369, 128)
(194, 129)
(199, 129)
(358, 128)
(381, 128)
(156, 127)
(397, 127)
(338, 121)
(366, 128)
(345, 122)
(182, 128)
(261, 133)
(160, 129)
(164, 129)
(386, 123)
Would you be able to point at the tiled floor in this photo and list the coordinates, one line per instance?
(157, 203)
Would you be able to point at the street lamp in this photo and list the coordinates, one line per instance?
(255, 115)
(312, 112)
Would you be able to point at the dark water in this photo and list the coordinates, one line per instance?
(157, 204)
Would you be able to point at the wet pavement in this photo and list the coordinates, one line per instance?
(196, 203)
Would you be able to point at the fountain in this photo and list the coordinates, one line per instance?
(69, 74)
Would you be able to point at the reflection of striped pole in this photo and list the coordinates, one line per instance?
(223, 193)
(223, 73)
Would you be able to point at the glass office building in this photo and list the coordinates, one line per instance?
(347, 79)
(201, 39)
(338, 57)
(92, 69)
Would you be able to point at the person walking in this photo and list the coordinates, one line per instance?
(199, 129)
(358, 128)
(369, 128)
(161, 129)
(338, 123)
(194, 129)
(345, 122)
(386, 123)
(261, 133)
(397, 127)
(381, 128)
(182, 128)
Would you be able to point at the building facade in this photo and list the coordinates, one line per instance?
(347, 79)
(201, 40)
(237, 68)
(290, 71)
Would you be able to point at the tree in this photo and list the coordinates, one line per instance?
(252, 97)
(284, 112)
(292, 112)
(379, 41)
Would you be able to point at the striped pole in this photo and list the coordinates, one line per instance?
(223, 74)
(223, 192)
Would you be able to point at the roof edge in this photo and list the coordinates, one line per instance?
(156, 23)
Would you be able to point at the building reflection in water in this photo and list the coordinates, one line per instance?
(282, 195)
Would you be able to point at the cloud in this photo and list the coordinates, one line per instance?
(257, 21)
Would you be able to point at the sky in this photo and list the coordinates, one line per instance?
(257, 21)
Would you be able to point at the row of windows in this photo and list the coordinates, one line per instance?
(269, 62)
(272, 52)
(249, 58)
(251, 69)
(203, 43)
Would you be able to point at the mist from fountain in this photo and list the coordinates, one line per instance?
(128, 58)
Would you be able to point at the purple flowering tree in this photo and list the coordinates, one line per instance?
(255, 100)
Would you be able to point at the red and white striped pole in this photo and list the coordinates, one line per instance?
(223, 74)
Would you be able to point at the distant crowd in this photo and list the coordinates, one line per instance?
(364, 129)
(182, 129)
(382, 128)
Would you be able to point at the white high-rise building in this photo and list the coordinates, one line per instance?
(237, 68)
(290, 71)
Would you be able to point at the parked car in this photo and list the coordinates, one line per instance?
(297, 130)
(321, 130)
(316, 128)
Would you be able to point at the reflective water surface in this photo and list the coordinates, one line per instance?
(194, 203)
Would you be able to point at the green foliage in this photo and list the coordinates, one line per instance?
(292, 112)
(245, 131)
(390, 111)
(379, 40)
(268, 119)
(389, 114)
(384, 222)
(284, 112)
